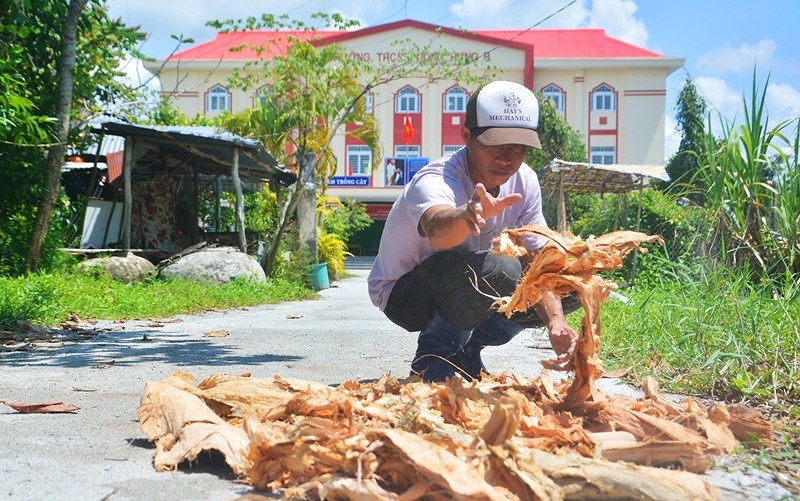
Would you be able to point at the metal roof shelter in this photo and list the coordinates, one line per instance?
(209, 150)
(579, 177)
(562, 177)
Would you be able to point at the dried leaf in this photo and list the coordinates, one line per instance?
(216, 333)
(42, 408)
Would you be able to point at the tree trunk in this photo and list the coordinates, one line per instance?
(268, 258)
(55, 157)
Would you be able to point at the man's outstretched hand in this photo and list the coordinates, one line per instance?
(482, 206)
(564, 340)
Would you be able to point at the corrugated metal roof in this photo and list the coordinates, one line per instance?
(579, 177)
(207, 144)
(562, 43)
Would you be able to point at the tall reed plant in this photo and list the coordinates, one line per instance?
(752, 190)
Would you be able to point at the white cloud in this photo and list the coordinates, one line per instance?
(783, 102)
(720, 96)
(672, 138)
(136, 75)
(740, 59)
(618, 18)
(188, 17)
(512, 14)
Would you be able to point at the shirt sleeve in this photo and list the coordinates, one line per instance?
(428, 189)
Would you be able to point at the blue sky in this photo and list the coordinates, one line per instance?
(721, 40)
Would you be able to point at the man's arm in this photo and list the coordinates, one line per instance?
(446, 226)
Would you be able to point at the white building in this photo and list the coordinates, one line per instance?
(613, 93)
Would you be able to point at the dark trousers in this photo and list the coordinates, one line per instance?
(443, 283)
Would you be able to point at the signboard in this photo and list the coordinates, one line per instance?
(378, 212)
(348, 181)
(399, 170)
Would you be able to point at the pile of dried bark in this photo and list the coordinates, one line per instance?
(505, 437)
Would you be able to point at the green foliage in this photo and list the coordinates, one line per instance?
(260, 211)
(754, 218)
(30, 42)
(332, 249)
(48, 299)
(167, 113)
(680, 227)
(716, 334)
(683, 166)
(558, 138)
(342, 218)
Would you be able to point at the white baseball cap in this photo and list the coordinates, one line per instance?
(503, 113)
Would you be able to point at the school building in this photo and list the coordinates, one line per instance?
(613, 93)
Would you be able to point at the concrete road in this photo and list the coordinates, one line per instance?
(99, 452)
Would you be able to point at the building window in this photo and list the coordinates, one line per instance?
(455, 100)
(368, 102)
(217, 99)
(555, 94)
(359, 159)
(262, 95)
(407, 101)
(451, 148)
(603, 99)
(405, 150)
(603, 154)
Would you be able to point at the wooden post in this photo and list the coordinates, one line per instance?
(195, 205)
(127, 166)
(562, 207)
(239, 201)
(217, 204)
(638, 226)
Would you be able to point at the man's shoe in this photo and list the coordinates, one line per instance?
(494, 331)
(438, 342)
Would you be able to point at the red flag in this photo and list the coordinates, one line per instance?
(408, 129)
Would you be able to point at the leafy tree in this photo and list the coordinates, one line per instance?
(55, 156)
(683, 166)
(315, 91)
(558, 138)
(31, 35)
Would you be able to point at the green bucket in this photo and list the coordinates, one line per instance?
(318, 276)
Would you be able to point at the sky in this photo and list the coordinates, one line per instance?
(722, 41)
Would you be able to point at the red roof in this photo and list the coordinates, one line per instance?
(576, 43)
(219, 48)
(564, 43)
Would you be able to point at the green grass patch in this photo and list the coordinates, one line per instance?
(48, 299)
(719, 336)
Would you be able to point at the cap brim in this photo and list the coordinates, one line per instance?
(498, 136)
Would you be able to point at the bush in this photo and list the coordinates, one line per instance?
(680, 227)
(332, 250)
(343, 218)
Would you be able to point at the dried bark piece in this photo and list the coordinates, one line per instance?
(568, 264)
(182, 426)
(749, 425)
(584, 478)
(42, 408)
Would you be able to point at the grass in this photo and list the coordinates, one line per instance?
(48, 299)
(720, 336)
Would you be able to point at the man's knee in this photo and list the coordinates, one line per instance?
(501, 273)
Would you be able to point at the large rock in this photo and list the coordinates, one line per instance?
(128, 268)
(219, 264)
